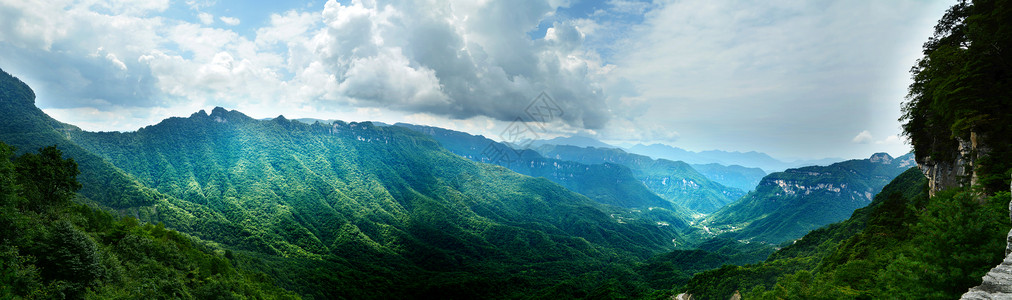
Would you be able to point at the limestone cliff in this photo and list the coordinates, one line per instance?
(959, 171)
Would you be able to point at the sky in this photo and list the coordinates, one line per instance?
(794, 79)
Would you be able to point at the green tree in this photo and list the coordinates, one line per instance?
(46, 178)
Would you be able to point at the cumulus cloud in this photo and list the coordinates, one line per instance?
(862, 138)
(456, 59)
(709, 75)
(229, 20)
(205, 18)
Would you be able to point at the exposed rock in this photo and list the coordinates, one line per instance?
(997, 283)
(958, 172)
(881, 158)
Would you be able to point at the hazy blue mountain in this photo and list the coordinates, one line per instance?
(675, 181)
(578, 141)
(727, 158)
(787, 205)
(743, 178)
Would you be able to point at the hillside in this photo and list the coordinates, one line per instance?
(673, 180)
(787, 205)
(606, 183)
(55, 248)
(358, 200)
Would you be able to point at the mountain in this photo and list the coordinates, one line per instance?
(788, 204)
(290, 189)
(673, 180)
(578, 141)
(606, 183)
(742, 178)
(747, 159)
(345, 209)
(904, 245)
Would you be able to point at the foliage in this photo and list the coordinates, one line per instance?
(902, 245)
(961, 89)
(55, 248)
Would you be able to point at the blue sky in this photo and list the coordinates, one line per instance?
(795, 79)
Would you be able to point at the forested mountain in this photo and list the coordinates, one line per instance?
(375, 207)
(673, 180)
(315, 191)
(742, 178)
(787, 205)
(54, 248)
(606, 183)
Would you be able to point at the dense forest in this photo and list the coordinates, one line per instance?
(54, 247)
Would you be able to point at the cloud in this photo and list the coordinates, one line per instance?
(862, 138)
(777, 77)
(455, 59)
(786, 77)
(206, 18)
(229, 20)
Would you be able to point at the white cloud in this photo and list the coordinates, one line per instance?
(862, 138)
(229, 20)
(783, 76)
(205, 18)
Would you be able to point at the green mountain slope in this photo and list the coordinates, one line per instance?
(606, 183)
(672, 180)
(787, 205)
(319, 191)
(348, 209)
(54, 248)
(901, 246)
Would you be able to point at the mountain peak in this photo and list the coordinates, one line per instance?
(218, 111)
(16, 92)
(199, 114)
(881, 158)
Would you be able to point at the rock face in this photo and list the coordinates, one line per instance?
(997, 283)
(955, 173)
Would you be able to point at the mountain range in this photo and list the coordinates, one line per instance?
(787, 205)
(374, 207)
(673, 180)
(748, 159)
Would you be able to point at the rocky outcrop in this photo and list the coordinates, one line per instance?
(957, 172)
(997, 283)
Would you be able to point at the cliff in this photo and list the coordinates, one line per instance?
(959, 172)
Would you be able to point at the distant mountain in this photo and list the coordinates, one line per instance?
(673, 180)
(787, 205)
(727, 158)
(606, 183)
(743, 178)
(578, 141)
